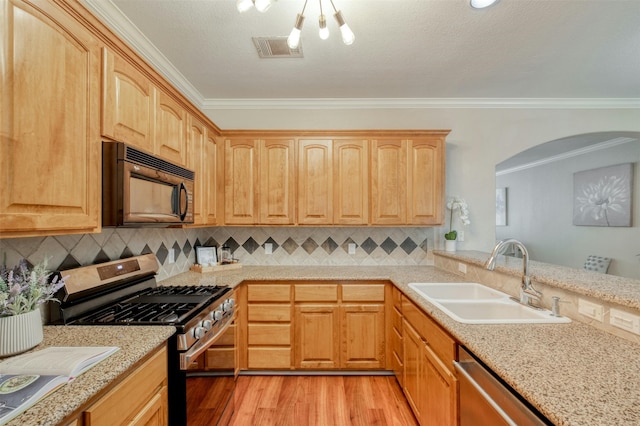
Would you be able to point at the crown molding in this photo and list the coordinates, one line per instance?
(419, 103)
(113, 17)
(569, 154)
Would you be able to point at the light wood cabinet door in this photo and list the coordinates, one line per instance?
(316, 337)
(277, 181)
(241, 176)
(50, 127)
(315, 182)
(171, 125)
(362, 344)
(389, 182)
(128, 104)
(155, 412)
(196, 137)
(140, 399)
(213, 183)
(412, 359)
(351, 182)
(425, 186)
(440, 390)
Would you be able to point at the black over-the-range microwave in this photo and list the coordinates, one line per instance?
(139, 189)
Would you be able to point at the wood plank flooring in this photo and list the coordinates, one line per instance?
(316, 401)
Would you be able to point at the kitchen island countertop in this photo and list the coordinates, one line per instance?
(135, 342)
(573, 373)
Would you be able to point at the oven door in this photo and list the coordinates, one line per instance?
(154, 197)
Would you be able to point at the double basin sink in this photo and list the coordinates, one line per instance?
(474, 303)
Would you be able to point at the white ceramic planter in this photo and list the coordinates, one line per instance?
(450, 245)
(19, 333)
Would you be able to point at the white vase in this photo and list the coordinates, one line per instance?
(19, 333)
(450, 245)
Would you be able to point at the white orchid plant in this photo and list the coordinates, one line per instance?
(460, 205)
(24, 289)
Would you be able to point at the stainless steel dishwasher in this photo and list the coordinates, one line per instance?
(486, 400)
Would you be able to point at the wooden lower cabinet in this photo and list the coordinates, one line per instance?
(316, 337)
(140, 399)
(362, 341)
(430, 384)
(268, 329)
(315, 326)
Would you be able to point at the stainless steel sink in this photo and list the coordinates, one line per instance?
(474, 303)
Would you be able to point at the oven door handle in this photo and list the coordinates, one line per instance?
(187, 357)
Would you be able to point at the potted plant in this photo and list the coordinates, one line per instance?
(455, 204)
(22, 291)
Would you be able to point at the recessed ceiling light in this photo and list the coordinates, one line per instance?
(480, 4)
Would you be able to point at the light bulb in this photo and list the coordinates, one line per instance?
(293, 41)
(324, 31)
(347, 35)
(262, 5)
(244, 5)
(480, 4)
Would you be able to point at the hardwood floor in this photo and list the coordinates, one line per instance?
(317, 401)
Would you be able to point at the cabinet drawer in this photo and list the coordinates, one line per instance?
(396, 343)
(227, 338)
(363, 292)
(269, 334)
(396, 298)
(269, 358)
(439, 341)
(269, 293)
(123, 402)
(316, 293)
(396, 320)
(276, 313)
(220, 358)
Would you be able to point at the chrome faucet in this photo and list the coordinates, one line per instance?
(527, 292)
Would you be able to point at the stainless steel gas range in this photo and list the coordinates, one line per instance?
(125, 292)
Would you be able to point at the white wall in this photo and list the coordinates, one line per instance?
(479, 139)
(540, 213)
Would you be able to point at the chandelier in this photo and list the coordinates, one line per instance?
(293, 41)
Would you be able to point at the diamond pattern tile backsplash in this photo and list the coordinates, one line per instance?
(290, 246)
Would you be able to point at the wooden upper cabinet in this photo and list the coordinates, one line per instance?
(315, 182)
(407, 181)
(128, 103)
(277, 181)
(351, 182)
(196, 135)
(50, 128)
(213, 186)
(425, 185)
(388, 182)
(241, 183)
(171, 124)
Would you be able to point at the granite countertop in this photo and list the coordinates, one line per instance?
(135, 342)
(573, 373)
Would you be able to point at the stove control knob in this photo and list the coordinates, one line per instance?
(217, 315)
(207, 324)
(199, 332)
(228, 305)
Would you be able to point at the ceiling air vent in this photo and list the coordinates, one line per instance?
(275, 47)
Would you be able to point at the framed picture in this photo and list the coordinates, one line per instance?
(501, 206)
(603, 196)
(206, 256)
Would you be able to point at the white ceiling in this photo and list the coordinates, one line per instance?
(438, 51)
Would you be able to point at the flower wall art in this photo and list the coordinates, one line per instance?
(602, 197)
